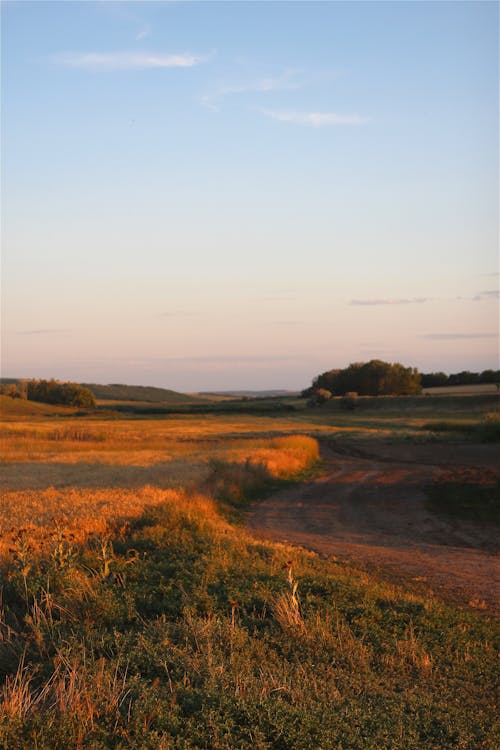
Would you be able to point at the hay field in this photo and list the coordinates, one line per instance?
(82, 475)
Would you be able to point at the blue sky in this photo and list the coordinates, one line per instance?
(241, 195)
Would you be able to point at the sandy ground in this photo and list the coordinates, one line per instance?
(370, 508)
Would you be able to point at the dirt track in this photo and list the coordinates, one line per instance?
(371, 508)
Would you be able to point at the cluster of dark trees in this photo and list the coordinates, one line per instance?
(57, 392)
(374, 378)
(12, 390)
(436, 379)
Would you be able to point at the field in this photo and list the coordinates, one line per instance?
(145, 603)
(462, 390)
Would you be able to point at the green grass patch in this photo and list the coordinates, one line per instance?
(486, 430)
(182, 632)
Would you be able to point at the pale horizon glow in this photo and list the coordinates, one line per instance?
(230, 196)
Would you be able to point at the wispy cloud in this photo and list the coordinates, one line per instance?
(315, 119)
(215, 359)
(231, 358)
(123, 13)
(457, 336)
(283, 298)
(286, 81)
(42, 331)
(490, 294)
(143, 33)
(109, 61)
(283, 294)
(389, 301)
(178, 314)
(480, 296)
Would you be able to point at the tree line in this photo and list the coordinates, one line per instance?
(50, 392)
(378, 378)
(374, 378)
(436, 379)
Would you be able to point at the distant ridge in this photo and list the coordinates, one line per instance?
(251, 394)
(143, 393)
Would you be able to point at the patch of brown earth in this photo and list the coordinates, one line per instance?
(371, 508)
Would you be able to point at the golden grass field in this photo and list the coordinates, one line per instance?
(80, 476)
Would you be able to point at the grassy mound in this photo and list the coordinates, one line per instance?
(18, 407)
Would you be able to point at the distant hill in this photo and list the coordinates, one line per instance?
(251, 394)
(11, 408)
(145, 394)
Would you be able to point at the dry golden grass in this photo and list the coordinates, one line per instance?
(166, 453)
(40, 519)
(78, 477)
(133, 442)
(282, 457)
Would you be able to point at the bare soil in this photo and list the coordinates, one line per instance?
(369, 506)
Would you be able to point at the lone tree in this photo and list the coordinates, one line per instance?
(374, 378)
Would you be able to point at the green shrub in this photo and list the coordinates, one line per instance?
(350, 401)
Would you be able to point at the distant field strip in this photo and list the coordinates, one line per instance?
(138, 442)
(462, 390)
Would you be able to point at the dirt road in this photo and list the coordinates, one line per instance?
(371, 508)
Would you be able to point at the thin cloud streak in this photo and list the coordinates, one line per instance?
(315, 119)
(480, 296)
(377, 302)
(164, 361)
(42, 331)
(283, 298)
(178, 314)
(143, 33)
(284, 82)
(116, 61)
(229, 359)
(457, 336)
(125, 14)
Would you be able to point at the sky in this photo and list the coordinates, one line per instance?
(241, 195)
